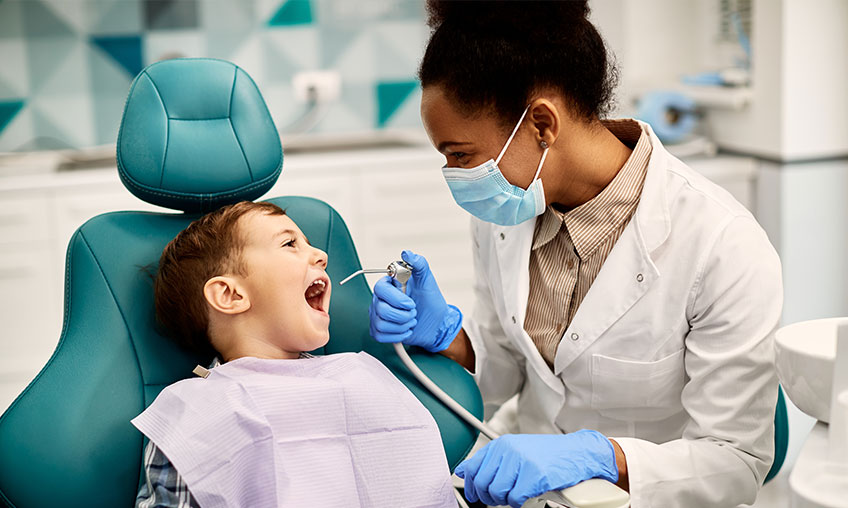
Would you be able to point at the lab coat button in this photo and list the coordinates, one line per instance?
(513, 320)
(503, 236)
(639, 277)
(574, 336)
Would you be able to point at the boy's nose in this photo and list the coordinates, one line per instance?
(319, 257)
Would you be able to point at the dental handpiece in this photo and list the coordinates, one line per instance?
(398, 270)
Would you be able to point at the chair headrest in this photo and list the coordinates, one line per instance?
(196, 135)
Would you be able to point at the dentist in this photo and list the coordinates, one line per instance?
(628, 301)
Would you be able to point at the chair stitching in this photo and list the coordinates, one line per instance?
(244, 155)
(233, 127)
(115, 299)
(118, 157)
(232, 90)
(167, 128)
(201, 197)
(199, 119)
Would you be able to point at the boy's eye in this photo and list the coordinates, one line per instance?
(288, 243)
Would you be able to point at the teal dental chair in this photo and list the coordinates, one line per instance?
(195, 135)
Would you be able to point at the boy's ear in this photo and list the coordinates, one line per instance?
(226, 295)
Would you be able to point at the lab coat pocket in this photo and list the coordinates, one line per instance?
(631, 390)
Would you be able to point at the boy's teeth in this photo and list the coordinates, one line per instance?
(315, 289)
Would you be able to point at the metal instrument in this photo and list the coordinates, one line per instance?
(398, 270)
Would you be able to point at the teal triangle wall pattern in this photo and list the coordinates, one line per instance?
(8, 110)
(292, 12)
(123, 49)
(390, 97)
(66, 65)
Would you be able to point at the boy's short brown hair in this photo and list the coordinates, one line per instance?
(208, 247)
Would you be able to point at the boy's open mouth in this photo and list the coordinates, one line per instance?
(315, 294)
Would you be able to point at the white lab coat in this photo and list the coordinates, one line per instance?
(670, 353)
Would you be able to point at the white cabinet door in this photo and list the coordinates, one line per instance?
(32, 317)
(413, 209)
(333, 186)
(24, 219)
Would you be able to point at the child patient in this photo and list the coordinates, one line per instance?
(268, 424)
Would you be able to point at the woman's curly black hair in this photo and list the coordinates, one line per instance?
(494, 54)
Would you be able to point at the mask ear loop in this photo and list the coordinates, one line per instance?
(539, 169)
(508, 141)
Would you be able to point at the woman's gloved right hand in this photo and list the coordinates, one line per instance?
(421, 317)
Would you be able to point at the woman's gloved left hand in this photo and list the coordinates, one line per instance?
(421, 317)
(516, 467)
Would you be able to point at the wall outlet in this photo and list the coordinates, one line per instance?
(317, 86)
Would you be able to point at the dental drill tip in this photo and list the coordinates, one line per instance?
(354, 274)
(358, 272)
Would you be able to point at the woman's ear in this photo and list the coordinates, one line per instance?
(226, 295)
(546, 120)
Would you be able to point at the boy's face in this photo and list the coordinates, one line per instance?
(287, 284)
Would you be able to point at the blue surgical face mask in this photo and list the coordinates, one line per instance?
(485, 193)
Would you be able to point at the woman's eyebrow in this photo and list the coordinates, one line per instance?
(443, 145)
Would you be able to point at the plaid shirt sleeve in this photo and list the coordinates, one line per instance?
(163, 486)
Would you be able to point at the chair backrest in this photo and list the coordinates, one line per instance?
(195, 135)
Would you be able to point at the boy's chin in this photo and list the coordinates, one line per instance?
(321, 341)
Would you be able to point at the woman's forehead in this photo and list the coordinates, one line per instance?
(445, 123)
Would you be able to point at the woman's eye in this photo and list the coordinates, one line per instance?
(459, 155)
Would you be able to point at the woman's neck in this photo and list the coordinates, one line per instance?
(587, 163)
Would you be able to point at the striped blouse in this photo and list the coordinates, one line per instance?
(569, 248)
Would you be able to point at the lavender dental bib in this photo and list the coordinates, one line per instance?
(337, 430)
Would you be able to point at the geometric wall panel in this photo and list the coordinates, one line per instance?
(8, 110)
(11, 20)
(390, 96)
(115, 17)
(45, 55)
(66, 65)
(124, 50)
(42, 21)
(168, 14)
(292, 12)
(14, 74)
